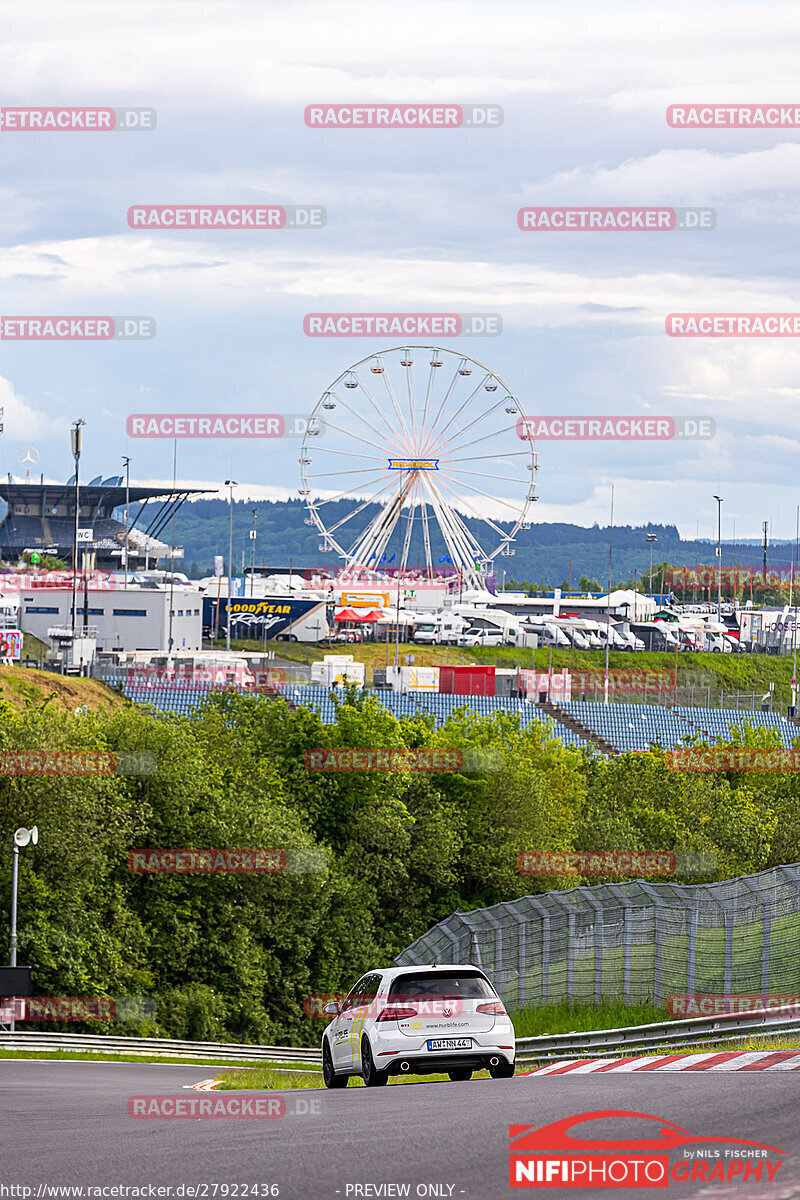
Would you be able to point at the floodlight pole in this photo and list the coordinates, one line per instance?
(127, 463)
(14, 891)
(77, 446)
(253, 554)
(719, 558)
(608, 598)
(651, 538)
(229, 483)
(794, 624)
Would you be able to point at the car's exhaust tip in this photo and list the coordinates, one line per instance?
(404, 1066)
(494, 1061)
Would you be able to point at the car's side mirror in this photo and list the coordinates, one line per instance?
(331, 1008)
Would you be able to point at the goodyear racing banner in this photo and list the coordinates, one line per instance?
(258, 616)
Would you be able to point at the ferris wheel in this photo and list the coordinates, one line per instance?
(417, 455)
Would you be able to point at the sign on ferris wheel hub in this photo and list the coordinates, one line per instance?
(418, 453)
(413, 464)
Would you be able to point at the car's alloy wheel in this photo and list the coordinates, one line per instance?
(460, 1074)
(503, 1070)
(329, 1076)
(371, 1075)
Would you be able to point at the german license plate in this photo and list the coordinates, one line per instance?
(449, 1043)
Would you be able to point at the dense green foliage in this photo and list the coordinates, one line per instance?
(234, 956)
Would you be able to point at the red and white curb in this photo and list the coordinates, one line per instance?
(733, 1060)
(205, 1085)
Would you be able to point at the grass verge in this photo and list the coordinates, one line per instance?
(260, 1080)
(576, 1018)
(25, 687)
(144, 1059)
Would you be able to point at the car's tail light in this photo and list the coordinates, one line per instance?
(496, 1010)
(396, 1012)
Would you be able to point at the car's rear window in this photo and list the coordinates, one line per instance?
(457, 984)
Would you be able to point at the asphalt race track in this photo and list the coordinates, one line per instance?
(67, 1123)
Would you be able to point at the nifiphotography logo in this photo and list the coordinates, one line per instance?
(553, 1156)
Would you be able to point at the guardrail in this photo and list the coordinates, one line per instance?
(162, 1047)
(666, 1035)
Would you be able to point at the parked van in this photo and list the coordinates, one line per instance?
(590, 631)
(577, 637)
(655, 635)
(716, 643)
(428, 634)
(618, 639)
(481, 637)
(549, 633)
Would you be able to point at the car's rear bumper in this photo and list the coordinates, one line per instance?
(438, 1064)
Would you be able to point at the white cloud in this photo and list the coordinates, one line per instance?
(621, 56)
(22, 421)
(680, 176)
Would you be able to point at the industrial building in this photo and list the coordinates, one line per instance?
(136, 618)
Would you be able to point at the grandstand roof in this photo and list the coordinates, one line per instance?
(108, 492)
(41, 516)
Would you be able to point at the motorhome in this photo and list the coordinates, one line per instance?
(656, 635)
(549, 633)
(589, 630)
(618, 639)
(578, 637)
(441, 628)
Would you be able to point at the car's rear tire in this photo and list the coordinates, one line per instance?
(503, 1070)
(460, 1074)
(369, 1072)
(329, 1076)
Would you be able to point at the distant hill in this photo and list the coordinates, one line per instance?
(543, 553)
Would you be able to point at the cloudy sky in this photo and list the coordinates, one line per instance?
(417, 220)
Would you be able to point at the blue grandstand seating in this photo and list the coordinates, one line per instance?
(715, 723)
(625, 726)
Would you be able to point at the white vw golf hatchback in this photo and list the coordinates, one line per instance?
(418, 1021)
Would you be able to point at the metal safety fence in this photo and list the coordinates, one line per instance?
(87, 1043)
(652, 1039)
(636, 941)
